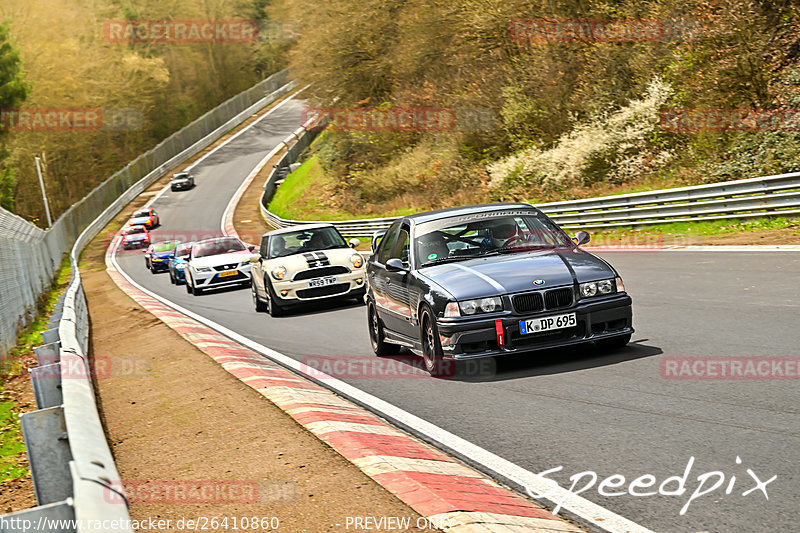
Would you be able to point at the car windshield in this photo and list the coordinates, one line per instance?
(140, 214)
(310, 240)
(134, 230)
(165, 246)
(483, 234)
(218, 246)
(182, 251)
(180, 176)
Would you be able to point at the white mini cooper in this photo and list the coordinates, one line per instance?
(305, 263)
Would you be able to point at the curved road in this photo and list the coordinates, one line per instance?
(606, 412)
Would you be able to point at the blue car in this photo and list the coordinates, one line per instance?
(178, 262)
(158, 255)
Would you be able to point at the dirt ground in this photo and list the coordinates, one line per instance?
(17, 494)
(173, 415)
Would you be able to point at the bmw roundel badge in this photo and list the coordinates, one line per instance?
(538, 282)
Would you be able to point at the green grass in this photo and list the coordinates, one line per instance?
(12, 447)
(305, 195)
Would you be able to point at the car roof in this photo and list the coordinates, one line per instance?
(427, 216)
(299, 227)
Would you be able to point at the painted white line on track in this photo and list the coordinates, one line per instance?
(594, 514)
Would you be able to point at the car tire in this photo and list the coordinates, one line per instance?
(173, 189)
(432, 353)
(614, 342)
(273, 308)
(376, 335)
(257, 303)
(172, 278)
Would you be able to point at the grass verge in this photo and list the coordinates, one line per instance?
(309, 194)
(13, 460)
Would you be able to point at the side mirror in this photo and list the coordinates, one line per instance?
(376, 239)
(581, 238)
(255, 258)
(395, 265)
(354, 243)
(251, 247)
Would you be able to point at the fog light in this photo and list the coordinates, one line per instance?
(284, 293)
(359, 281)
(445, 341)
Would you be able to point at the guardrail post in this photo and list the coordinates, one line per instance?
(47, 354)
(50, 336)
(46, 382)
(45, 435)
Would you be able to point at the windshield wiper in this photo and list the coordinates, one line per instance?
(442, 260)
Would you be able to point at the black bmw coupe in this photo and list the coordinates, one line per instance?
(488, 280)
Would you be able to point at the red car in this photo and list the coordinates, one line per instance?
(144, 217)
(135, 237)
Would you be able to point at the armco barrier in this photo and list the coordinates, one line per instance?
(72, 467)
(754, 197)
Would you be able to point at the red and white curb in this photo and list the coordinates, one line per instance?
(436, 486)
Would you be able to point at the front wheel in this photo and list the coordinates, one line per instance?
(273, 308)
(432, 353)
(257, 303)
(376, 335)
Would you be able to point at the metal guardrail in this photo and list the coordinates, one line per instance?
(75, 479)
(747, 198)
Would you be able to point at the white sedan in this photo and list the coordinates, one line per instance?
(305, 263)
(216, 263)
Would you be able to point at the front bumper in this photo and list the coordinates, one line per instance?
(604, 318)
(349, 285)
(131, 245)
(162, 265)
(218, 279)
(183, 185)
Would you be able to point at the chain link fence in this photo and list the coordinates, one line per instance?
(29, 255)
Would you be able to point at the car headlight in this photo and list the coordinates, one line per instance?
(202, 269)
(598, 288)
(356, 260)
(473, 307)
(279, 272)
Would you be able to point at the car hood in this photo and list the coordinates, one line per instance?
(488, 276)
(179, 180)
(135, 237)
(303, 261)
(230, 258)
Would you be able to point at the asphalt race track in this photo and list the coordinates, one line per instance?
(608, 412)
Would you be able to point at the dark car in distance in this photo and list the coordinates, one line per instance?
(489, 280)
(181, 181)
